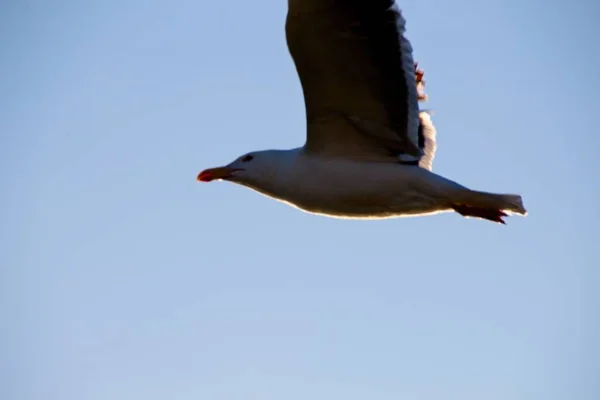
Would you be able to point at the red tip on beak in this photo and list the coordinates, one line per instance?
(204, 176)
(215, 173)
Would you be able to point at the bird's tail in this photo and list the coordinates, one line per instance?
(490, 206)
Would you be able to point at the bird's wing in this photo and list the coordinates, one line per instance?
(358, 77)
(427, 140)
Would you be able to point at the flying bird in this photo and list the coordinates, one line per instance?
(369, 148)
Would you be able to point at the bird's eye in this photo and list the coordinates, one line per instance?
(247, 158)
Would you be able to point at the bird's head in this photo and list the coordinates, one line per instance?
(251, 169)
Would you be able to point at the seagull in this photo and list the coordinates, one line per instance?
(369, 148)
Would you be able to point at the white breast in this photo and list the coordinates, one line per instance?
(350, 189)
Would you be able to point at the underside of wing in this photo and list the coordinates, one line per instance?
(357, 74)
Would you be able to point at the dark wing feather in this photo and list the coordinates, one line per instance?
(357, 75)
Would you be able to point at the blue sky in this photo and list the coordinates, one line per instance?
(123, 278)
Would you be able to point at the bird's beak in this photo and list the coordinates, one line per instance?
(216, 173)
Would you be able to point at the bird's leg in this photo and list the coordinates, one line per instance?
(419, 75)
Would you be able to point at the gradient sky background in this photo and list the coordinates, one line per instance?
(124, 278)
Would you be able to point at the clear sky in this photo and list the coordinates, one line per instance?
(124, 278)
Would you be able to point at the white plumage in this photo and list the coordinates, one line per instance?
(369, 150)
(428, 134)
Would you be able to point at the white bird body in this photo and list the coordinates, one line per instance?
(369, 148)
(354, 189)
